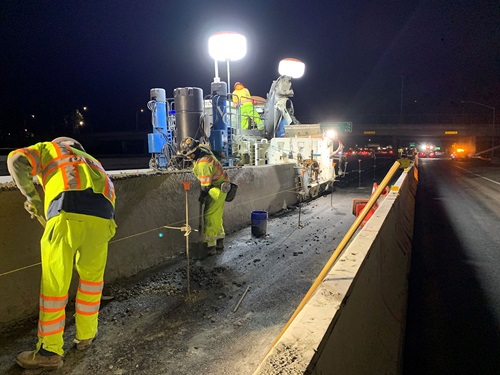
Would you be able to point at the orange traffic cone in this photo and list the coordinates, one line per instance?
(384, 193)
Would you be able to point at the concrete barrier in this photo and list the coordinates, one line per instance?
(146, 202)
(354, 323)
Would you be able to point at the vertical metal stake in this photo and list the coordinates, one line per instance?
(331, 194)
(187, 250)
(300, 207)
(359, 173)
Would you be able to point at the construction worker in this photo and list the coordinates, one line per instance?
(241, 96)
(79, 201)
(214, 188)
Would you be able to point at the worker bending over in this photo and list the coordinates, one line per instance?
(242, 95)
(214, 188)
(79, 200)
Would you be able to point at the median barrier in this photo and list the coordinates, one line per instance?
(355, 321)
(146, 203)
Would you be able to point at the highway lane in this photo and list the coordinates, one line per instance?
(453, 324)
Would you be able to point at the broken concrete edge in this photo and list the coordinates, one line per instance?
(146, 204)
(355, 311)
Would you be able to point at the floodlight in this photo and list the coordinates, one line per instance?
(291, 67)
(332, 134)
(227, 46)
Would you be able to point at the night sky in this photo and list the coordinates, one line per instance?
(57, 56)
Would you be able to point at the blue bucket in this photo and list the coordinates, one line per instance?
(259, 223)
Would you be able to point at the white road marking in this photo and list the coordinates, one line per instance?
(478, 175)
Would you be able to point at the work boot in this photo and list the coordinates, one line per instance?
(107, 294)
(30, 360)
(220, 245)
(84, 344)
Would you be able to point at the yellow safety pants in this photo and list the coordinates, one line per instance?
(72, 239)
(214, 209)
(248, 112)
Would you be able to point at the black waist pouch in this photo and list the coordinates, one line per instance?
(232, 193)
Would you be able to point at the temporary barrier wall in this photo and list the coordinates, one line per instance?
(145, 204)
(354, 323)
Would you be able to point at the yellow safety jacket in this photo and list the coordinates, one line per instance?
(243, 95)
(60, 168)
(208, 170)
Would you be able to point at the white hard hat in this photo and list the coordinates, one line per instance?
(70, 142)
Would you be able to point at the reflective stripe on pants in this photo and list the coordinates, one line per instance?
(84, 239)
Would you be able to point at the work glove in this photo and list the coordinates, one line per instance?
(34, 206)
(203, 196)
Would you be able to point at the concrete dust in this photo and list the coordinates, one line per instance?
(150, 327)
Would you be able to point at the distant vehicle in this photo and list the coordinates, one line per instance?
(363, 152)
(384, 151)
(460, 154)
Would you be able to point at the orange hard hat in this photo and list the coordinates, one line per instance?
(238, 83)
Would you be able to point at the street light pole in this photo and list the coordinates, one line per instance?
(401, 102)
(492, 122)
(137, 119)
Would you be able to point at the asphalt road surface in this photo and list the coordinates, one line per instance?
(453, 324)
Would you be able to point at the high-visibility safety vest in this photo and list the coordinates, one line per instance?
(243, 95)
(209, 171)
(60, 168)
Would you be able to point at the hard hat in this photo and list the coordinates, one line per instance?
(188, 146)
(238, 83)
(70, 142)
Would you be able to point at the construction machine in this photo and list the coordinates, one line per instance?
(215, 119)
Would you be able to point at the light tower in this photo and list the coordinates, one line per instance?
(226, 46)
(279, 108)
(223, 46)
(291, 67)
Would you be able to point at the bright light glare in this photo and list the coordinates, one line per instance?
(227, 46)
(332, 134)
(291, 67)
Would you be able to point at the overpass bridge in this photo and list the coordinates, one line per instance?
(479, 131)
(478, 136)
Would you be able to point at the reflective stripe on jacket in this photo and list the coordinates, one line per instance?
(209, 171)
(60, 168)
